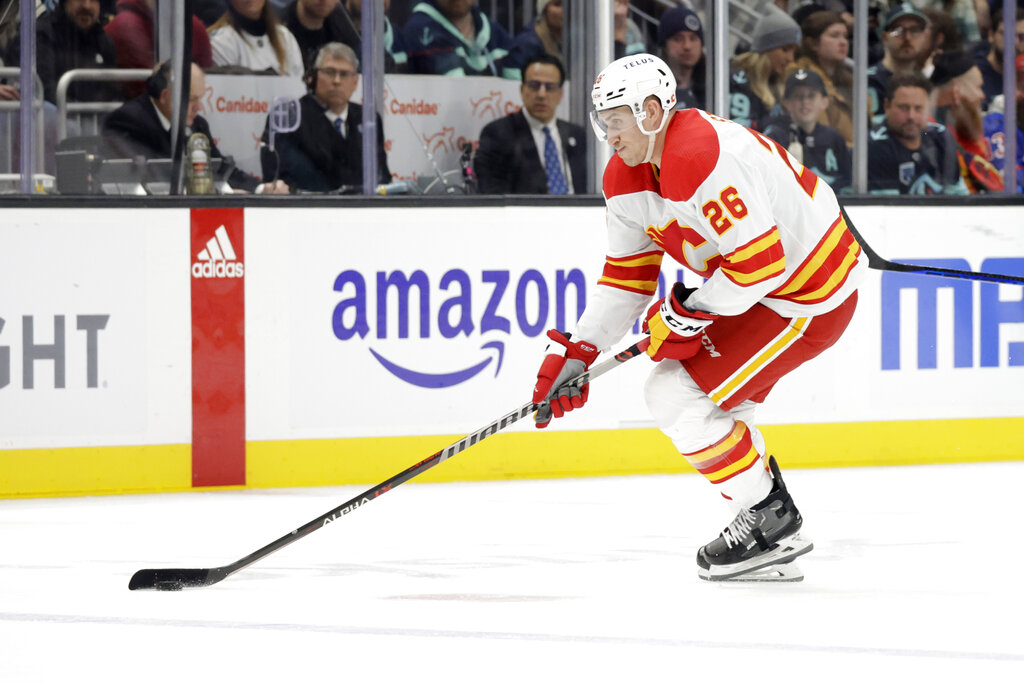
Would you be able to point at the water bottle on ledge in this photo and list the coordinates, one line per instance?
(200, 175)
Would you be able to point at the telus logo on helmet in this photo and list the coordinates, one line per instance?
(638, 62)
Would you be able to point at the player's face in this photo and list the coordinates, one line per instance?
(906, 39)
(805, 104)
(834, 45)
(84, 13)
(906, 113)
(781, 57)
(336, 80)
(541, 91)
(684, 49)
(624, 134)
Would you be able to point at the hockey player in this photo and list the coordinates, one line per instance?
(781, 273)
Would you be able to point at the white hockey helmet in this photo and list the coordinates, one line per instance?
(628, 82)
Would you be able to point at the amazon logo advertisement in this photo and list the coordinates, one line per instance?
(491, 306)
(981, 319)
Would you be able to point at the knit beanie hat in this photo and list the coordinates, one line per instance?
(950, 65)
(775, 29)
(679, 19)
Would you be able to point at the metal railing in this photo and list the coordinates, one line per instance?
(88, 114)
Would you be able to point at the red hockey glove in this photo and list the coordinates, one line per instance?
(564, 360)
(675, 330)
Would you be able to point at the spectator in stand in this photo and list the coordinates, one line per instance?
(815, 145)
(943, 34)
(957, 102)
(131, 30)
(529, 151)
(325, 154)
(758, 76)
(995, 128)
(71, 37)
(249, 35)
(907, 45)
(314, 23)
(991, 64)
(544, 37)
(907, 153)
(681, 39)
(962, 14)
(629, 39)
(10, 17)
(825, 49)
(396, 56)
(456, 38)
(142, 127)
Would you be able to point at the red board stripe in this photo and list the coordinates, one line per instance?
(218, 347)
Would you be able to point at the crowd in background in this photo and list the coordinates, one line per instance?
(935, 79)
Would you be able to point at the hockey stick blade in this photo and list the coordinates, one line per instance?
(178, 579)
(878, 263)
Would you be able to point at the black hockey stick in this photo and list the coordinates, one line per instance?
(176, 579)
(878, 263)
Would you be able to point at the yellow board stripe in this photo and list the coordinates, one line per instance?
(775, 347)
(33, 473)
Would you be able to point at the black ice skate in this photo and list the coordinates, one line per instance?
(760, 542)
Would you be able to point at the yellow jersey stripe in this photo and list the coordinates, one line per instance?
(795, 330)
(643, 285)
(815, 262)
(718, 449)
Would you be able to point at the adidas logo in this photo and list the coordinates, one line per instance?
(218, 259)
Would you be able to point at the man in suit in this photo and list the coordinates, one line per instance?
(325, 154)
(142, 127)
(531, 152)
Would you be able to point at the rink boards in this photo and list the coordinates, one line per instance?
(168, 348)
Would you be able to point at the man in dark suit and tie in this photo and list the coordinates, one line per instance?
(531, 152)
(325, 154)
(142, 127)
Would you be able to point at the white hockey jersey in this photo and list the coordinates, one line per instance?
(734, 207)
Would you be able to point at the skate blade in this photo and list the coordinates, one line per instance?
(776, 573)
(763, 567)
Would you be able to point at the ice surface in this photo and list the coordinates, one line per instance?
(915, 576)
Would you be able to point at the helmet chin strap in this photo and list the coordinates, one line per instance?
(651, 139)
(652, 135)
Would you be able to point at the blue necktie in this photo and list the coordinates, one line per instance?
(339, 126)
(553, 166)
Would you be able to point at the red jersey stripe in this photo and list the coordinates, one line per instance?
(825, 269)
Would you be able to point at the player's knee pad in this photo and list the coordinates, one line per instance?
(682, 410)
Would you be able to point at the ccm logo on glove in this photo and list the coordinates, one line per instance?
(675, 330)
(564, 361)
